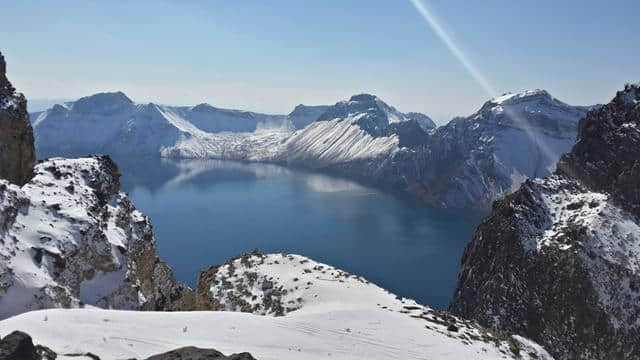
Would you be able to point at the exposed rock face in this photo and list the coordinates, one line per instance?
(194, 353)
(17, 152)
(558, 261)
(19, 346)
(69, 237)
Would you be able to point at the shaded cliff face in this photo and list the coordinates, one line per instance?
(17, 152)
(69, 237)
(558, 261)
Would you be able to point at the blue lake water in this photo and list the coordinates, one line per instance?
(204, 212)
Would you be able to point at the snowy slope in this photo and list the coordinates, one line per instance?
(336, 141)
(112, 123)
(474, 160)
(362, 129)
(337, 315)
(69, 237)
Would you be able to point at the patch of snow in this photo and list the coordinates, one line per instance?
(609, 242)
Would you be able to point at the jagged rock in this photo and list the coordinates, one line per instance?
(17, 152)
(194, 353)
(19, 346)
(69, 237)
(558, 261)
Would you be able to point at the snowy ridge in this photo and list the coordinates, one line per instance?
(69, 237)
(331, 314)
(112, 123)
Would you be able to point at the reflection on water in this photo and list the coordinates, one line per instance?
(206, 211)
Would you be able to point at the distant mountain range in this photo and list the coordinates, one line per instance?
(466, 163)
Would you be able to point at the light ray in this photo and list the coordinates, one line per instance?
(476, 74)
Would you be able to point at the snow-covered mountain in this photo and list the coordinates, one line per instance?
(70, 237)
(471, 161)
(361, 130)
(559, 260)
(313, 311)
(468, 162)
(112, 123)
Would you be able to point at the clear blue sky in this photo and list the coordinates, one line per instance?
(271, 55)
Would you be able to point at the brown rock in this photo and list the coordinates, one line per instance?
(17, 151)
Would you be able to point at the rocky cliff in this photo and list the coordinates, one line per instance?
(70, 238)
(17, 153)
(558, 261)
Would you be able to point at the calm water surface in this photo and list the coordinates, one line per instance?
(204, 212)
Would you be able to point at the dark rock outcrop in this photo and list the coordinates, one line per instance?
(194, 353)
(19, 346)
(17, 152)
(558, 261)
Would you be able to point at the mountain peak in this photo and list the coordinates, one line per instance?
(363, 97)
(5, 84)
(508, 98)
(103, 102)
(203, 107)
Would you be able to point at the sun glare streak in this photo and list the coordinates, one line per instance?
(476, 74)
(451, 45)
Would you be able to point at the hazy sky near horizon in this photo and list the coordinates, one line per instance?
(269, 56)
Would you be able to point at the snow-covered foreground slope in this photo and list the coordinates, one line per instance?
(330, 314)
(69, 237)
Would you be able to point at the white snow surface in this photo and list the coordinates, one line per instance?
(11, 101)
(336, 316)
